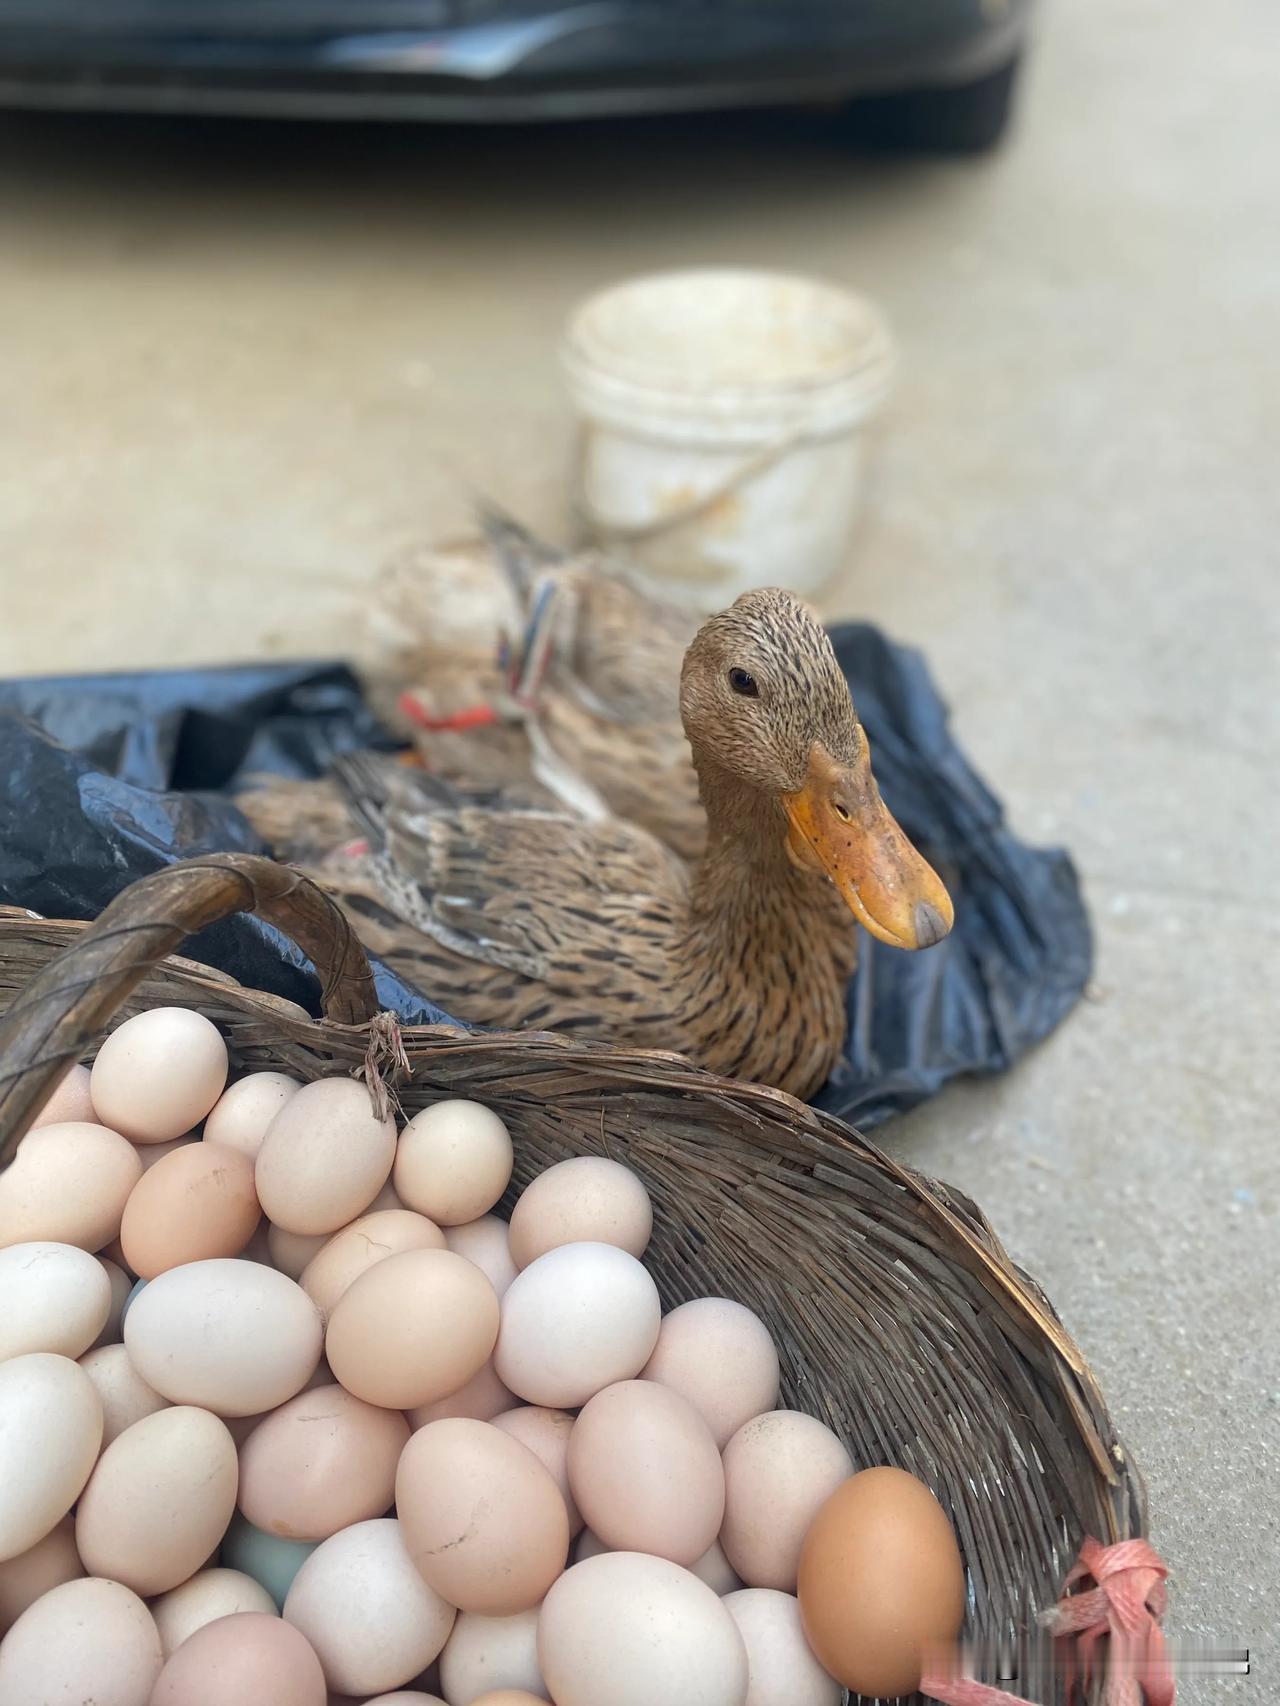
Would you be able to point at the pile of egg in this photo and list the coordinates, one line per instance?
(287, 1414)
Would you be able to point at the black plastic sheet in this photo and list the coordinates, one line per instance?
(105, 778)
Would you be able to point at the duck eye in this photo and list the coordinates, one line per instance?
(743, 683)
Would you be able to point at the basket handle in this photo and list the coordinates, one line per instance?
(64, 1008)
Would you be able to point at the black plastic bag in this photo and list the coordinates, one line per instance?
(139, 782)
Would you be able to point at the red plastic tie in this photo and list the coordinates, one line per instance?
(472, 717)
(1125, 1602)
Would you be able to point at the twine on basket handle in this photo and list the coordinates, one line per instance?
(1126, 1603)
(384, 1062)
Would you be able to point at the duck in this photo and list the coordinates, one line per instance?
(519, 918)
(585, 704)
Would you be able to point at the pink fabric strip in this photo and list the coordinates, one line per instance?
(1125, 1602)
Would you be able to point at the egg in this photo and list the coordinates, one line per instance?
(482, 1519)
(324, 1158)
(372, 1619)
(628, 1629)
(55, 1298)
(453, 1162)
(241, 1115)
(231, 1336)
(293, 1252)
(778, 1469)
(881, 1581)
(719, 1356)
(121, 1284)
(150, 1153)
(320, 1462)
(482, 1398)
(197, 1202)
(50, 1430)
(487, 1653)
(546, 1433)
(246, 1657)
(343, 1257)
(47, 1564)
(714, 1569)
(574, 1321)
(87, 1640)
(412, 1329)
(406, 1697)
(645, 1472)
(586, 1200)
(158, 1074)
(269, 1559)
(485, 1243)
(67, 1184)
(69, 1100)
(509, 1697)
(781, 1668)
(159, 1500)
(203, 1598)
(124, 1394)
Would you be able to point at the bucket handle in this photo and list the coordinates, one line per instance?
(628, 533)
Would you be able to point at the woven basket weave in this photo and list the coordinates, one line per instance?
(899, 1318)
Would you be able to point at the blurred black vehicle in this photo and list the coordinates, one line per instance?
(928, 73)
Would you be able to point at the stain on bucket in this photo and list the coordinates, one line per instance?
(723, 417)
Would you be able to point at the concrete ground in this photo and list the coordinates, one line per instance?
(242, 364)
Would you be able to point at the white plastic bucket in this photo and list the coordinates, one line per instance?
(722, 415)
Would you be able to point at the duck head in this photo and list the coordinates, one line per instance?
(770, 720)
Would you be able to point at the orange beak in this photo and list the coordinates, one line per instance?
(838, 824)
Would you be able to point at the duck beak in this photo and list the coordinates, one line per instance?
(838, 824)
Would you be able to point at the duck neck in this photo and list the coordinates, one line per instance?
(746, 895)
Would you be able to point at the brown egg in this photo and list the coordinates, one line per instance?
(453, 1162)
(292, 1252)
(546, 1433)
(319, 1463)
(150, 1153)
(47, 1564)
(362, 1245)
(245, 1657)
(159, 1500)
(482, 1398)
(203, 1598)
(197, 1202)
(880, 1581)
(324, 1158)
(69, 1100)
(245, 1109)
(482, 1519)
(585, 1200)
(485, 1243)
(126, 1397)
(412, 1329)
(778, 1468)
(646, 1473)
(719, 1356)
(87, 1640)
(67, 1184)
(158, 1074)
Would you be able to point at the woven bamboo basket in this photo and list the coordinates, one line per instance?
(899, 1319)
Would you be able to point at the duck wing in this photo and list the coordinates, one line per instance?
(580, 908)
